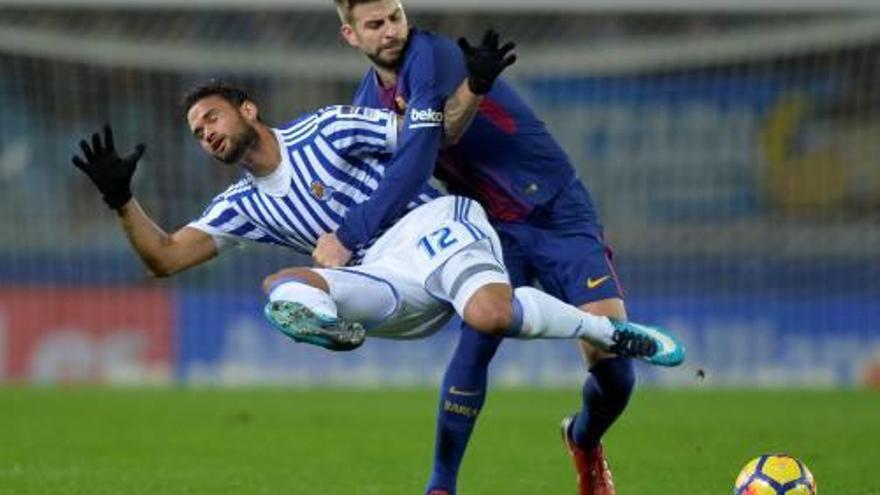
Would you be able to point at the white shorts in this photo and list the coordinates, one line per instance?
(422, 269)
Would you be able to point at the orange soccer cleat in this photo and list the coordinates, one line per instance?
(593, 474)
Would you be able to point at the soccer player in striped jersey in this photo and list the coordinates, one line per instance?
(502, 155)
(440, 257)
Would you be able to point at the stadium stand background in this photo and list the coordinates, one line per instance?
(734, 156)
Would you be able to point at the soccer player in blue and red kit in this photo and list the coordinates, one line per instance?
(494, 148)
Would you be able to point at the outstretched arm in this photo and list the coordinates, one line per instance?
(163, 254)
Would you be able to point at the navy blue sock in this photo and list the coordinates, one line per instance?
(462, 396)
(605, 393)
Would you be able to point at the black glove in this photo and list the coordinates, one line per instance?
(110, 173)
(486, 61)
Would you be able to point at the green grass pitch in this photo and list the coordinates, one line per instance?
(294, 441)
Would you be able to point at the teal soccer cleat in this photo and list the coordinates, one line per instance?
(304, 325)
(651, 344)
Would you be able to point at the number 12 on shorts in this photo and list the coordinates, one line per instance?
(437, 241)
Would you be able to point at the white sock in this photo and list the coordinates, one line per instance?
(310, 297)
(545, 317)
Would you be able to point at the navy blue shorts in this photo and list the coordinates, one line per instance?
(560, 245)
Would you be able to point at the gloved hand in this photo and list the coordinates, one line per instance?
(110, 173)
(486, 61)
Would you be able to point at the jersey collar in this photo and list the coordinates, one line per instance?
(278, 182)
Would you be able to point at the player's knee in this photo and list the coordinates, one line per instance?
(301, 274)
(489, 313)
(268, 282)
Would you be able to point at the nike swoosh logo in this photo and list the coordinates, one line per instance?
(592, 284)
(463, 393)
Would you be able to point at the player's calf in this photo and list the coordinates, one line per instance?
(540, 315)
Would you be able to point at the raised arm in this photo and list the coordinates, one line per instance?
(163, 254)
(484, 63)
(419, 142)
(458, 113)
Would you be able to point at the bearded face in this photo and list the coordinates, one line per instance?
(379, 30)
(221, 128)
(234, 145)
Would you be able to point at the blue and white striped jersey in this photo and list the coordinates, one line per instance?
(331, 160)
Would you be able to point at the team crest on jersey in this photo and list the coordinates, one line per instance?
(320, 191)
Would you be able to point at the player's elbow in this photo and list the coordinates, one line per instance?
(161, 269)
(159, 272)
(173, 257)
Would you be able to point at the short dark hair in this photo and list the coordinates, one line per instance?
(344, 7)
(214, 87)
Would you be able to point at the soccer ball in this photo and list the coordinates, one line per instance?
(775, 474)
